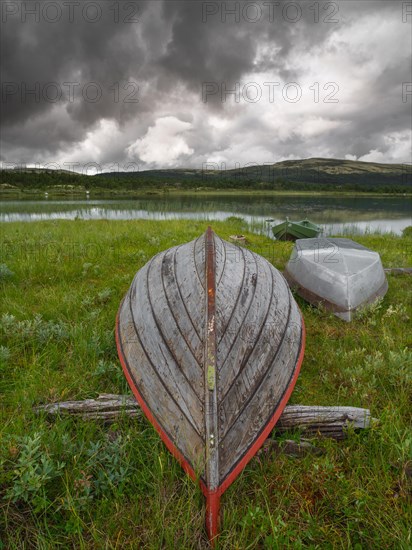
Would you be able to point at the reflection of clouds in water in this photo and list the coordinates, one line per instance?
(371, 226)
(257, 224)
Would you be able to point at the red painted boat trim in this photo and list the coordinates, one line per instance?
(212, 515)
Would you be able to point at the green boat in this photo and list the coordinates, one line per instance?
(290, 231)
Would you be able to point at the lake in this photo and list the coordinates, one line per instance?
(337, 214)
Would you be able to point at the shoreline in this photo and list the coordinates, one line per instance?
(39, 194)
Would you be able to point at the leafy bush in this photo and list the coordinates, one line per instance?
(407, 232)
(34, 469)
(100, 470)
(235, 219)
(36, 329)
(5, 272)
(4, 355)
(375, 370)
(108, 465)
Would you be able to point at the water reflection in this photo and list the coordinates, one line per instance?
(338, 215)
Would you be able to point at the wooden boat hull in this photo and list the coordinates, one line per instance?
(291, 231)
(211, 342)
(337, 274)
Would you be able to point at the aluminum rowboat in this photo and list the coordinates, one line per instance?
(291, 231)
(339, 274)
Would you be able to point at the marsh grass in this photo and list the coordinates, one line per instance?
(75, 484)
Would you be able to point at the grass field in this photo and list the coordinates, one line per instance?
(75, 484)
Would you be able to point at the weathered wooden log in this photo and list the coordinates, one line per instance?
(399, 270)
(315, 420)
(106, 406)
(323, 421)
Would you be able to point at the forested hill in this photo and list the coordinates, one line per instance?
(307, 174)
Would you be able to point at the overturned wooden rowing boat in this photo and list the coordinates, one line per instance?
(211, 342)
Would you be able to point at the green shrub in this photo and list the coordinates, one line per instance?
(33, 471)
(407, 232)
(5, 272)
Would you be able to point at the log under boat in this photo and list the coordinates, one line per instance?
(211, 342)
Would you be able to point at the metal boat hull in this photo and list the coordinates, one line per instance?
(291, 231)
(338, 274)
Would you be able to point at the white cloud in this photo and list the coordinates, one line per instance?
(373, 156)
(96, 149)
(398, 149)
(163, 144)
(314, 126)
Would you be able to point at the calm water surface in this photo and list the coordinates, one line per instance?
(336, 214)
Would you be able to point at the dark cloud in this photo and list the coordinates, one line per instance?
(153, 68)
(66, 56)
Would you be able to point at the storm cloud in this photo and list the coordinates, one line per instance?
(164, 83)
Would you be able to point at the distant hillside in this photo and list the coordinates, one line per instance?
(307, 174)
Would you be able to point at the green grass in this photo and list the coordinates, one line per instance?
(75, 484)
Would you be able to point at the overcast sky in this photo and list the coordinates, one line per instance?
(159, 84)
